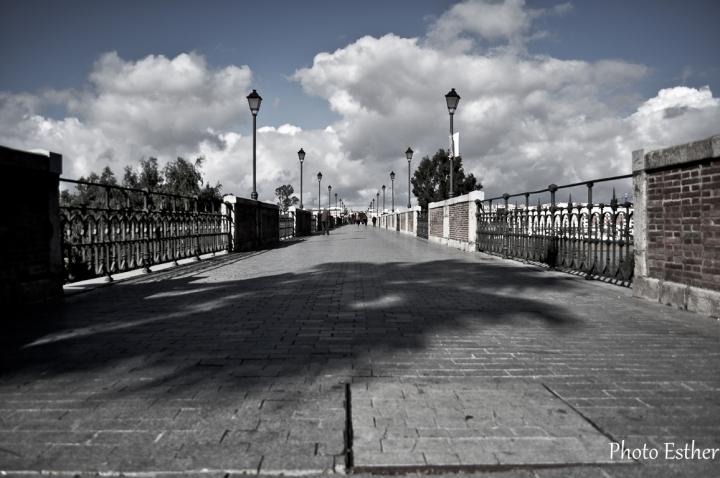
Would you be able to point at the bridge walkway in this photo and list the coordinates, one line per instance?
(437, 360)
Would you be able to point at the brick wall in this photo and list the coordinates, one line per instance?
(459, 221)
(677, 225)
(683, 211)
(31, 268)
(435, 222)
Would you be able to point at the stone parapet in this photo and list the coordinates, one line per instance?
(677, 225)
(30, 233)
(402, 220)
(256, 225)
(453, 222)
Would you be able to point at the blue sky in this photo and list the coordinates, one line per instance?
(583, 77)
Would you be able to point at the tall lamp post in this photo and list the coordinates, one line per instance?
(329, 201)
(319, 176)
(408, 155)
(254, 101)
(452, 99)
(336, 201)
(383, 209)
(377, 204)
(392, 190)
(301, 157)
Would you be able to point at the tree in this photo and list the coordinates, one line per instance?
(285, 197)
(150, 177)
(431, 181)
(130, 178)
(210, 193)
(181, 177)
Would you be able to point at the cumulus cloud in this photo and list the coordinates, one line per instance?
(516, 111)
(508, 22)
(161, 102)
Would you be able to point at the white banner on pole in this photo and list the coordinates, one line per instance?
(455, 144)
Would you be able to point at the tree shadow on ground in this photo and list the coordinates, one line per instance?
(183, 335)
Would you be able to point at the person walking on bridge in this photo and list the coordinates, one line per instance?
(326, 221)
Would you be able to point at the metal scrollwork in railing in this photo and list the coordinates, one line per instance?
(593, 239)
(117, 229)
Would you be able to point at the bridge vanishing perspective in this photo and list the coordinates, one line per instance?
(370, 350)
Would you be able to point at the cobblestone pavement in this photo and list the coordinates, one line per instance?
(243, 364)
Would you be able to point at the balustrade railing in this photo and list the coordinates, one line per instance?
(108, 229)
(594, 239)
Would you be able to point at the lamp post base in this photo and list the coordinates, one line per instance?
(254, 196)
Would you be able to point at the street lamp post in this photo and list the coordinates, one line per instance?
(377, 204)
(392, 190)
(319, 176)
(254, 101)
(336, 201)
(383, 209)
(452, 99)
(408, 155)
(329, 202)
(301, 156)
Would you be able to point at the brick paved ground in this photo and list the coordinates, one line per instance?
(240, 364)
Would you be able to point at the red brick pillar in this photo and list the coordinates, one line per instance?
(677, 226)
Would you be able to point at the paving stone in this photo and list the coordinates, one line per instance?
(217, 457)
(531, 406)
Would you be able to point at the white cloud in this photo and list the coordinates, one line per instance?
(163, 103)
(508, 21)
(516, 112)
(675, 115)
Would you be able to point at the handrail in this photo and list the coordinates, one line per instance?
(564, 186)
(124, 188)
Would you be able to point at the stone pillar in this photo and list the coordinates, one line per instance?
(453, 222)
(256, 224)
(640, 213)
(30, 232)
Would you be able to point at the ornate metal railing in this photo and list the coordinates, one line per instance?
(112, 229)
(595, 240)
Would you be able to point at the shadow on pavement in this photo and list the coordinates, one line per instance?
(181, 335)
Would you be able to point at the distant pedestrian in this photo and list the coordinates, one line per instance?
(374, 220)
(326, 221)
